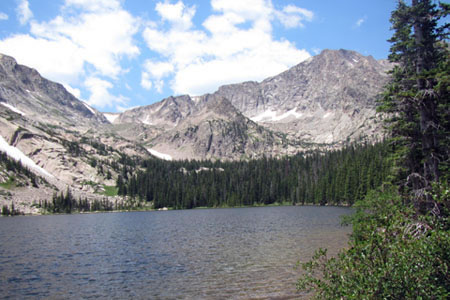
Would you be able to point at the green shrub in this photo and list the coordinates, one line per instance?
(394, 254)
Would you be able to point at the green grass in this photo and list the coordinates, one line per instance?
(110, 190)
(9, 185)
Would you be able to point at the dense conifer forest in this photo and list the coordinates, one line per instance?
(337, 177)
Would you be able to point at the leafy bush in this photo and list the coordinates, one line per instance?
(394, 254)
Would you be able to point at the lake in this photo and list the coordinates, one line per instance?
(238, 253)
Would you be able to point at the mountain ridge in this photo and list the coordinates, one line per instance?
(323, 103)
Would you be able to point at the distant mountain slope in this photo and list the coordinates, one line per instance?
(330, 98)
(25, 90)
(324, 102)
(57, 137)
(202, 127)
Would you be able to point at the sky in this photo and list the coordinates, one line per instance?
(119, 54)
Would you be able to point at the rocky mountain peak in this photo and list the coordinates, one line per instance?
(323, 102)
(25, 89)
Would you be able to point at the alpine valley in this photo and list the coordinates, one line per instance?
(63, 144)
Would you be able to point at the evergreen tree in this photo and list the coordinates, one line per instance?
(399, 247)
(418, 96)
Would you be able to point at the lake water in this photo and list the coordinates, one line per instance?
(240, 253)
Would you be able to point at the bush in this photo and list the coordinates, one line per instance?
(394, 254)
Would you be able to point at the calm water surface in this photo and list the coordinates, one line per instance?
(241, 253)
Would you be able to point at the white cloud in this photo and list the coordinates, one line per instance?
(292, 16)
(224, 51)
(316, 50)
(158, 69)
(93, 5)
(58, 59)
(360, 21)
(155, 71)
(3, 16)
(101, 37)
(177, 14)
(100, 95)
(146, 81)
(24, 13)
(74, 91)
(88, 38)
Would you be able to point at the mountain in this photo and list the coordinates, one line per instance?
(322, 103)
(58, 138)
(66, 145)
(43, 100)
(327, 99)
(202, 127)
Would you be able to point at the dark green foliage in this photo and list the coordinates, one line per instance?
(6, 211)
(336, 177)
(18, 169)
(66, 203)
(393, 254)
(418, 96)
(400, 244)
(73, 148)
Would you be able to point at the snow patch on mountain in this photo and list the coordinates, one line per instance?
(160, 155)
(326, 115)
(90, 108)
(147, 120)
(111, 117)
(14, 109)
(18, 155)
(271, 116)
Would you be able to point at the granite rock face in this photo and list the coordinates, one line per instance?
(205, 127)
(61, 139)
(327, 99)
(41, 99)
(322, 103)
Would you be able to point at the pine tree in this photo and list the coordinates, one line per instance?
(417, 97)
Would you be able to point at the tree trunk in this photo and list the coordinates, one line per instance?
(427, 103)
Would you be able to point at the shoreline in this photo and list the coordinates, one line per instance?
(147, 209)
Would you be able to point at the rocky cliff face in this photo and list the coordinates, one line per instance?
(58, 137)
(322, 103)
(202, 127)
(43, 100)
(328, 99)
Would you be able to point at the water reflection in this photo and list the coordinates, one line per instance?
(246, 253)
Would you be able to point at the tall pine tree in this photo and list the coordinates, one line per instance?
(418, 98)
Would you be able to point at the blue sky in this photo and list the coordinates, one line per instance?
(117, 54)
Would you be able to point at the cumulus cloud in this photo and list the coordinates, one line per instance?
(102, 37)
(74, 91)
(56, 59)
(100, 95)
(292, 16)
(94, 5)
(24, 14)
(234, 44)
(178, 14)
(316, 50)
(155, 71)
(3, 16)
(87, 38)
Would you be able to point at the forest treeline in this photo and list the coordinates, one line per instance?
(335, 177)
